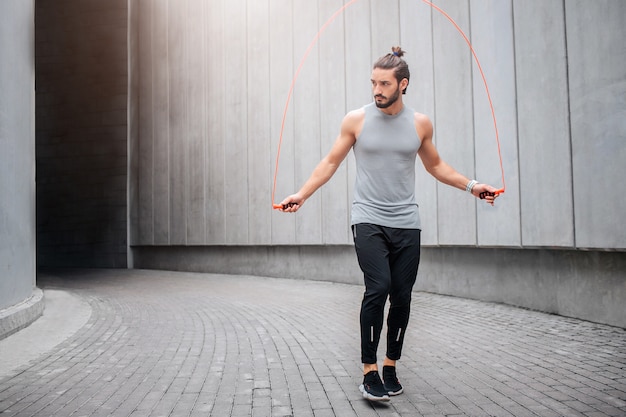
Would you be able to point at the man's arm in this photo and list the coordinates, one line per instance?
(350, 127)
(438, 168)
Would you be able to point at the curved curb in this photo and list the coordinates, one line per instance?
(20, 315)
(63, 316)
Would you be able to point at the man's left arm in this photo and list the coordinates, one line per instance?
(439, 169)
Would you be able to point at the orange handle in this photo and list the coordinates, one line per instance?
(283, 206)
(487, 193)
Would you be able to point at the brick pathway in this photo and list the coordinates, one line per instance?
(182, 344)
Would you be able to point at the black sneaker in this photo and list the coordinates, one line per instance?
(373, 388)
(392, 385)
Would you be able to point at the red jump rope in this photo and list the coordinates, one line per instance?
(314, 42)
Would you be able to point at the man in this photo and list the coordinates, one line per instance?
(386, 136)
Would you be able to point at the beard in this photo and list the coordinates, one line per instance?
(390, 100)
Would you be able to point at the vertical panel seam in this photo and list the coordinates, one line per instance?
(569, 125)
(473, 118)
(128, 131)
(205, 115)
(131, 140)
(223, 12)
(345, 111)
(294, 66)
(247, 83)
(186, 130)
(432, 47)
(152, 122)
(268, 142)
(167, 120)
(515, 86)
(322, 235)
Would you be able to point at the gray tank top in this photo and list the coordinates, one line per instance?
(385, 152)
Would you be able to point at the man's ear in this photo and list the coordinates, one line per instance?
(404, 83)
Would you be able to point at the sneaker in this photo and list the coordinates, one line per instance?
(392, 385)
(373, 388)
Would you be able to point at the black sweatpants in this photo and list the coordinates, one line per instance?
(389, 259)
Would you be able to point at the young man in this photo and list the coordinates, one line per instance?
(386, 137)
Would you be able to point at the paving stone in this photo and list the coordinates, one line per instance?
(183, 344)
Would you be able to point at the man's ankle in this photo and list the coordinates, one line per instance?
(369, 367)
(389, 362)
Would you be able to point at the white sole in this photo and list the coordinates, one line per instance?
(370, 397)
(391, 394)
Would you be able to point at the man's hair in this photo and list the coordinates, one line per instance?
(394, 61)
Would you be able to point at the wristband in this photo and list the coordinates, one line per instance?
(470, 186)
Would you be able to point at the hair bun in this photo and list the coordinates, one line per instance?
(397, 51)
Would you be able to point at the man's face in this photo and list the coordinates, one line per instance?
(385, 87)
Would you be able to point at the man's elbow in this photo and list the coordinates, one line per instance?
(432, 170)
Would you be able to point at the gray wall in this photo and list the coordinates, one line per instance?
(82, 112)
(208, 85)
(583, 284)
(17, 164)
(212, 84)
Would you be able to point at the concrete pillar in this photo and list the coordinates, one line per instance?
(20, 301)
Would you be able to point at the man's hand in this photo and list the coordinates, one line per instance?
(486, 192)
(291, 204)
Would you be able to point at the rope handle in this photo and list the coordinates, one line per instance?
(490, 194)
(283, 206)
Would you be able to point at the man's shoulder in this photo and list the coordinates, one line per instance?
(421, 118)
(356, 114)
(353, 122)
(423, 126)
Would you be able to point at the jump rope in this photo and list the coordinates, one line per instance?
(308, 51)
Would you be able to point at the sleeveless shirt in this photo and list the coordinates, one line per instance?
(385, 152)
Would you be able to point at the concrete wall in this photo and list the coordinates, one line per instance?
(82, 82)
(20, 301)
(211, 83)
(584, 284)
(597, 91)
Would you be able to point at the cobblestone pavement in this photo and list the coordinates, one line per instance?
(182, 344)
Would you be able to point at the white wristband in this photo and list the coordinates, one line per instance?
(470, 186)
